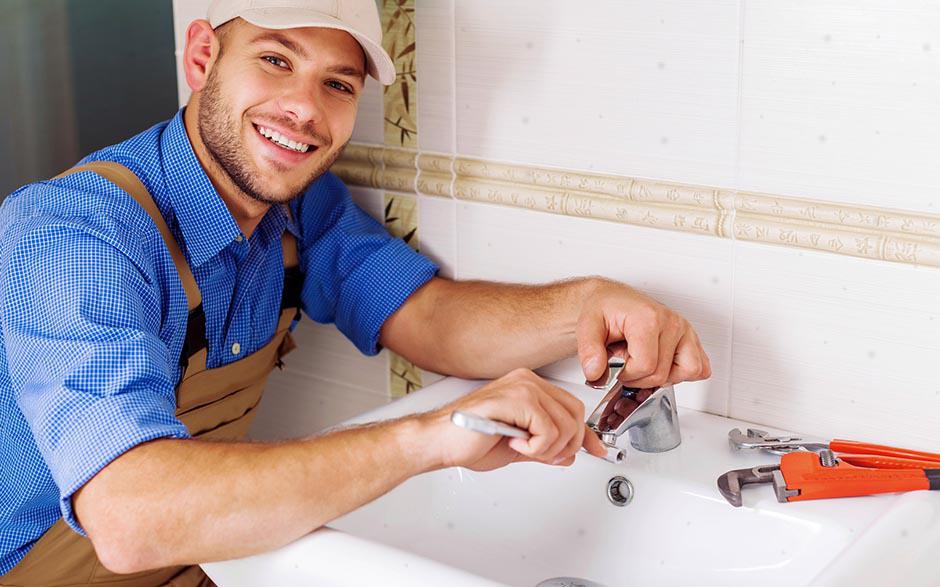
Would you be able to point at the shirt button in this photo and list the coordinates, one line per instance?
(239, 238)
(236, 348)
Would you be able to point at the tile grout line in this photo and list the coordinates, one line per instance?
(453, 133)
(729, 406)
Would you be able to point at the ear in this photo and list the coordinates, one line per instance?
(200, 54)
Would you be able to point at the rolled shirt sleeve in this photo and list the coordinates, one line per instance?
(81, 326)
(356, 273)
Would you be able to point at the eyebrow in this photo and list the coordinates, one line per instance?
(302, 53)
(347, 70)
(279, 38)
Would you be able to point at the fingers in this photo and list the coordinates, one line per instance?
(593, 444)
(690, 363)
(670, 334)
(541, 426)
(570, 431)
(557, 444)
(592, 334)
(643, 352)
(575, 415)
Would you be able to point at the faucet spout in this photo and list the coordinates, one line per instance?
(653, 426)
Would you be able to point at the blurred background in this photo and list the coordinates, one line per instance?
(78, 75)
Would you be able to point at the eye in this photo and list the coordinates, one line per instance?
(339, 86)
(276, 61)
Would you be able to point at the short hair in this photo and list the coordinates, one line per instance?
(222, 31)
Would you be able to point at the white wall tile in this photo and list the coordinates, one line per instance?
(434, 44)
(323, 381)
(689, 273)
(297, 407)
(437, 234)
(623, 86)
(370, 120)
(841, 101)
(836, 346)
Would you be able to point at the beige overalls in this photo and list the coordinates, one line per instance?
(217, 404)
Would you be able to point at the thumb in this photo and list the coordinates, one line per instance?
(593, 444)
(592, 333)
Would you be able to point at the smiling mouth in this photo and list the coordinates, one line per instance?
(282, 141)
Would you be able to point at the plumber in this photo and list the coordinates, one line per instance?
(145, 298)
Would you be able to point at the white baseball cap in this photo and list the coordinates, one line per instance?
(359, 18)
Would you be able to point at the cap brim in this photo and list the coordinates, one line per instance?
(378, 64)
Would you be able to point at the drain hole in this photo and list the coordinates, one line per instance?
(619, 491)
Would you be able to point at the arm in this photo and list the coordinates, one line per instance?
(480, 329)
(185, 501)
(217, 501)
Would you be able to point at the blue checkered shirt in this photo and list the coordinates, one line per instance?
(93, 315)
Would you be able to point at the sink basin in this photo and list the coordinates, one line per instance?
(528, 523)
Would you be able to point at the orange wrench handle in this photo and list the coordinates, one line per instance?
(864, 448)
(803, 472)
(879, 462)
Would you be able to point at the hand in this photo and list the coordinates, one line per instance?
(553, 417)
(659, 345)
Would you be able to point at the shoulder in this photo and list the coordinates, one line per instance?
(328, 190)
(322, 205)
(79, 209)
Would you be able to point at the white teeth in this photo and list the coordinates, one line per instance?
(283, 141)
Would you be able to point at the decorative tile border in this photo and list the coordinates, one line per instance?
(858, 231)
(398, 40)
(396, 165)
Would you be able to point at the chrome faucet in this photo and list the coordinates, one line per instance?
(653, 426)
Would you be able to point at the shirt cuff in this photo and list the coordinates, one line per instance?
(377, 289)
(97, 437)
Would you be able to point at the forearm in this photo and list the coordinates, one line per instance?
(188, 501)
(479, 329)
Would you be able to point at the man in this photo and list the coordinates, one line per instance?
(140, 314)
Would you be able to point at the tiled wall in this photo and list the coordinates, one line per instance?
(788, 150)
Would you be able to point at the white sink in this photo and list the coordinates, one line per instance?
(528, 522)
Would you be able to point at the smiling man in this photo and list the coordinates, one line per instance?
(146, 294)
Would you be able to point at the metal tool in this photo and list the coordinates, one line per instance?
(806, 475)
(483, 425)
(862, 454)
(486, 426)
(653, 426)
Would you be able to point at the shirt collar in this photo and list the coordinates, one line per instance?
(276, 221)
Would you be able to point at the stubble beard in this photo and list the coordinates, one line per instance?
(220, 133)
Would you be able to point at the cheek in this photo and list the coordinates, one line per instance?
(342, 121)
(248, 91)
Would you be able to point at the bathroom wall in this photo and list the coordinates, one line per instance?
(766, 168)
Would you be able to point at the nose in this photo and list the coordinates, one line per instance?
(302, 103)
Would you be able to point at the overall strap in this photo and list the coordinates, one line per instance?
(125, 179)
(293, 277)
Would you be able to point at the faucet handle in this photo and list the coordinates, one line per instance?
(610, 377)
(611, 385)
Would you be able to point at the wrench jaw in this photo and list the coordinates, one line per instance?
(780, 487)
(731, 483)
(756, 439)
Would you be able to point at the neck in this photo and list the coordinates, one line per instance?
(246, 211)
